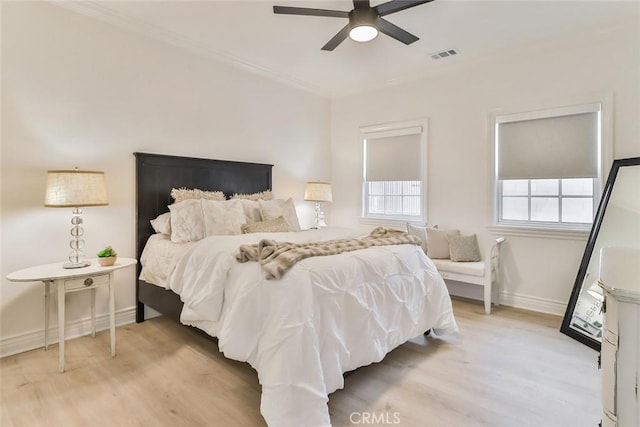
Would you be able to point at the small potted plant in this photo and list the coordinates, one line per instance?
(107, 256)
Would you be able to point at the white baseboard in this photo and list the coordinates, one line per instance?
(526, 302)
(35, 339)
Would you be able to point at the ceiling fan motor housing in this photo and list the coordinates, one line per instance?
(360, 17)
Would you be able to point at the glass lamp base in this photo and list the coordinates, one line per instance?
(76, 264)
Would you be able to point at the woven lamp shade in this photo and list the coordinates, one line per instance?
(318, 192)
(75, 188)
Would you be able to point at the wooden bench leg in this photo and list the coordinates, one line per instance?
(487, 296)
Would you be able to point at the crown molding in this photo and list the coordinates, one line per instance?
(101, 12)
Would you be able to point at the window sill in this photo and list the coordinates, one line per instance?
(397, 223)
(540, 232)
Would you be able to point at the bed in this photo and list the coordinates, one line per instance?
(326, 316)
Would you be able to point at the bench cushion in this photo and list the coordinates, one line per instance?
(469, 268)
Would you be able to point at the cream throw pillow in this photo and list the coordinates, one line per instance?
(187, 221)
(181, 194)
(438, 242)
(464, 248)
(222, 218)
(272, 209)
(270, 226)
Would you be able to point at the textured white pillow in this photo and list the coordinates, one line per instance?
(181, 194)
(187, 221)
(251, 209)
(438, 246)
(222, 218)
(162, 224)
(420, 232)
(464, 248)
(272, 209)
(263, 195)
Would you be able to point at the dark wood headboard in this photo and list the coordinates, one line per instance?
(157, 174)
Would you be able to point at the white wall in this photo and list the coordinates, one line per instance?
(540, 272)
(78, 92)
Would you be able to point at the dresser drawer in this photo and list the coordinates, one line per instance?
(86, 282)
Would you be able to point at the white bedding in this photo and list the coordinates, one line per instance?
(159, 259)
(326, 316)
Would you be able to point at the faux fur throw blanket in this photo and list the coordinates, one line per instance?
(277, 258)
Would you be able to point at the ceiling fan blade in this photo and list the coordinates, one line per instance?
(287, 10)
(337, 39)
(361, 4)
(394, 31)
(398, 5)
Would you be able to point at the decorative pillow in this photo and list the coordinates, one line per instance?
(263, 195)
(162, 224)
(251, 209)
(269, 226)
(272, 209)
(187, 221)
(464, 248)
(222, 218)
(180, 194)
(420, 232)
(438, 247)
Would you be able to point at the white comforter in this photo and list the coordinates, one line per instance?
(326, 316)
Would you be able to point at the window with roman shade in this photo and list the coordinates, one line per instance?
(548, 166)
(393, 172)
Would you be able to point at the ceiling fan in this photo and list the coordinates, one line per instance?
(364, 21)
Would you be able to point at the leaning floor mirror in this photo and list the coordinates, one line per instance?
(617, 223)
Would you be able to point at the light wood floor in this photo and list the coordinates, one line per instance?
(512, 368)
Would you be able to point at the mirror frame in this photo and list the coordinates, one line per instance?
(586, 258)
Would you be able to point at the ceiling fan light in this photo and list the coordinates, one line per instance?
(363, 33)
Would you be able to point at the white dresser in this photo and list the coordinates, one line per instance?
(620, 280)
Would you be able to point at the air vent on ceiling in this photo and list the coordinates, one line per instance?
(445, 54)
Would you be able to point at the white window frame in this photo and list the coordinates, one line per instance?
(560, 196)
(391, 129)
(549, 229)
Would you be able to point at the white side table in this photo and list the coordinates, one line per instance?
(74, 280)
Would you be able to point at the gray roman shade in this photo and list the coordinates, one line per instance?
(395, 157)
(564, 146)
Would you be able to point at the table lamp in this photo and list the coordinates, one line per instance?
(75, 189)
(318, 192)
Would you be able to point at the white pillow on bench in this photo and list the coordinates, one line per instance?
(438, 242)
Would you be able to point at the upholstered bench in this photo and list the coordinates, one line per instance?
(485, 273)
(484, 270)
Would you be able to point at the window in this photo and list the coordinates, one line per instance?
(547, 167)
(393, 172)
(563, 201)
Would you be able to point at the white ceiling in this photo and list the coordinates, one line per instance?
(287, 47)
